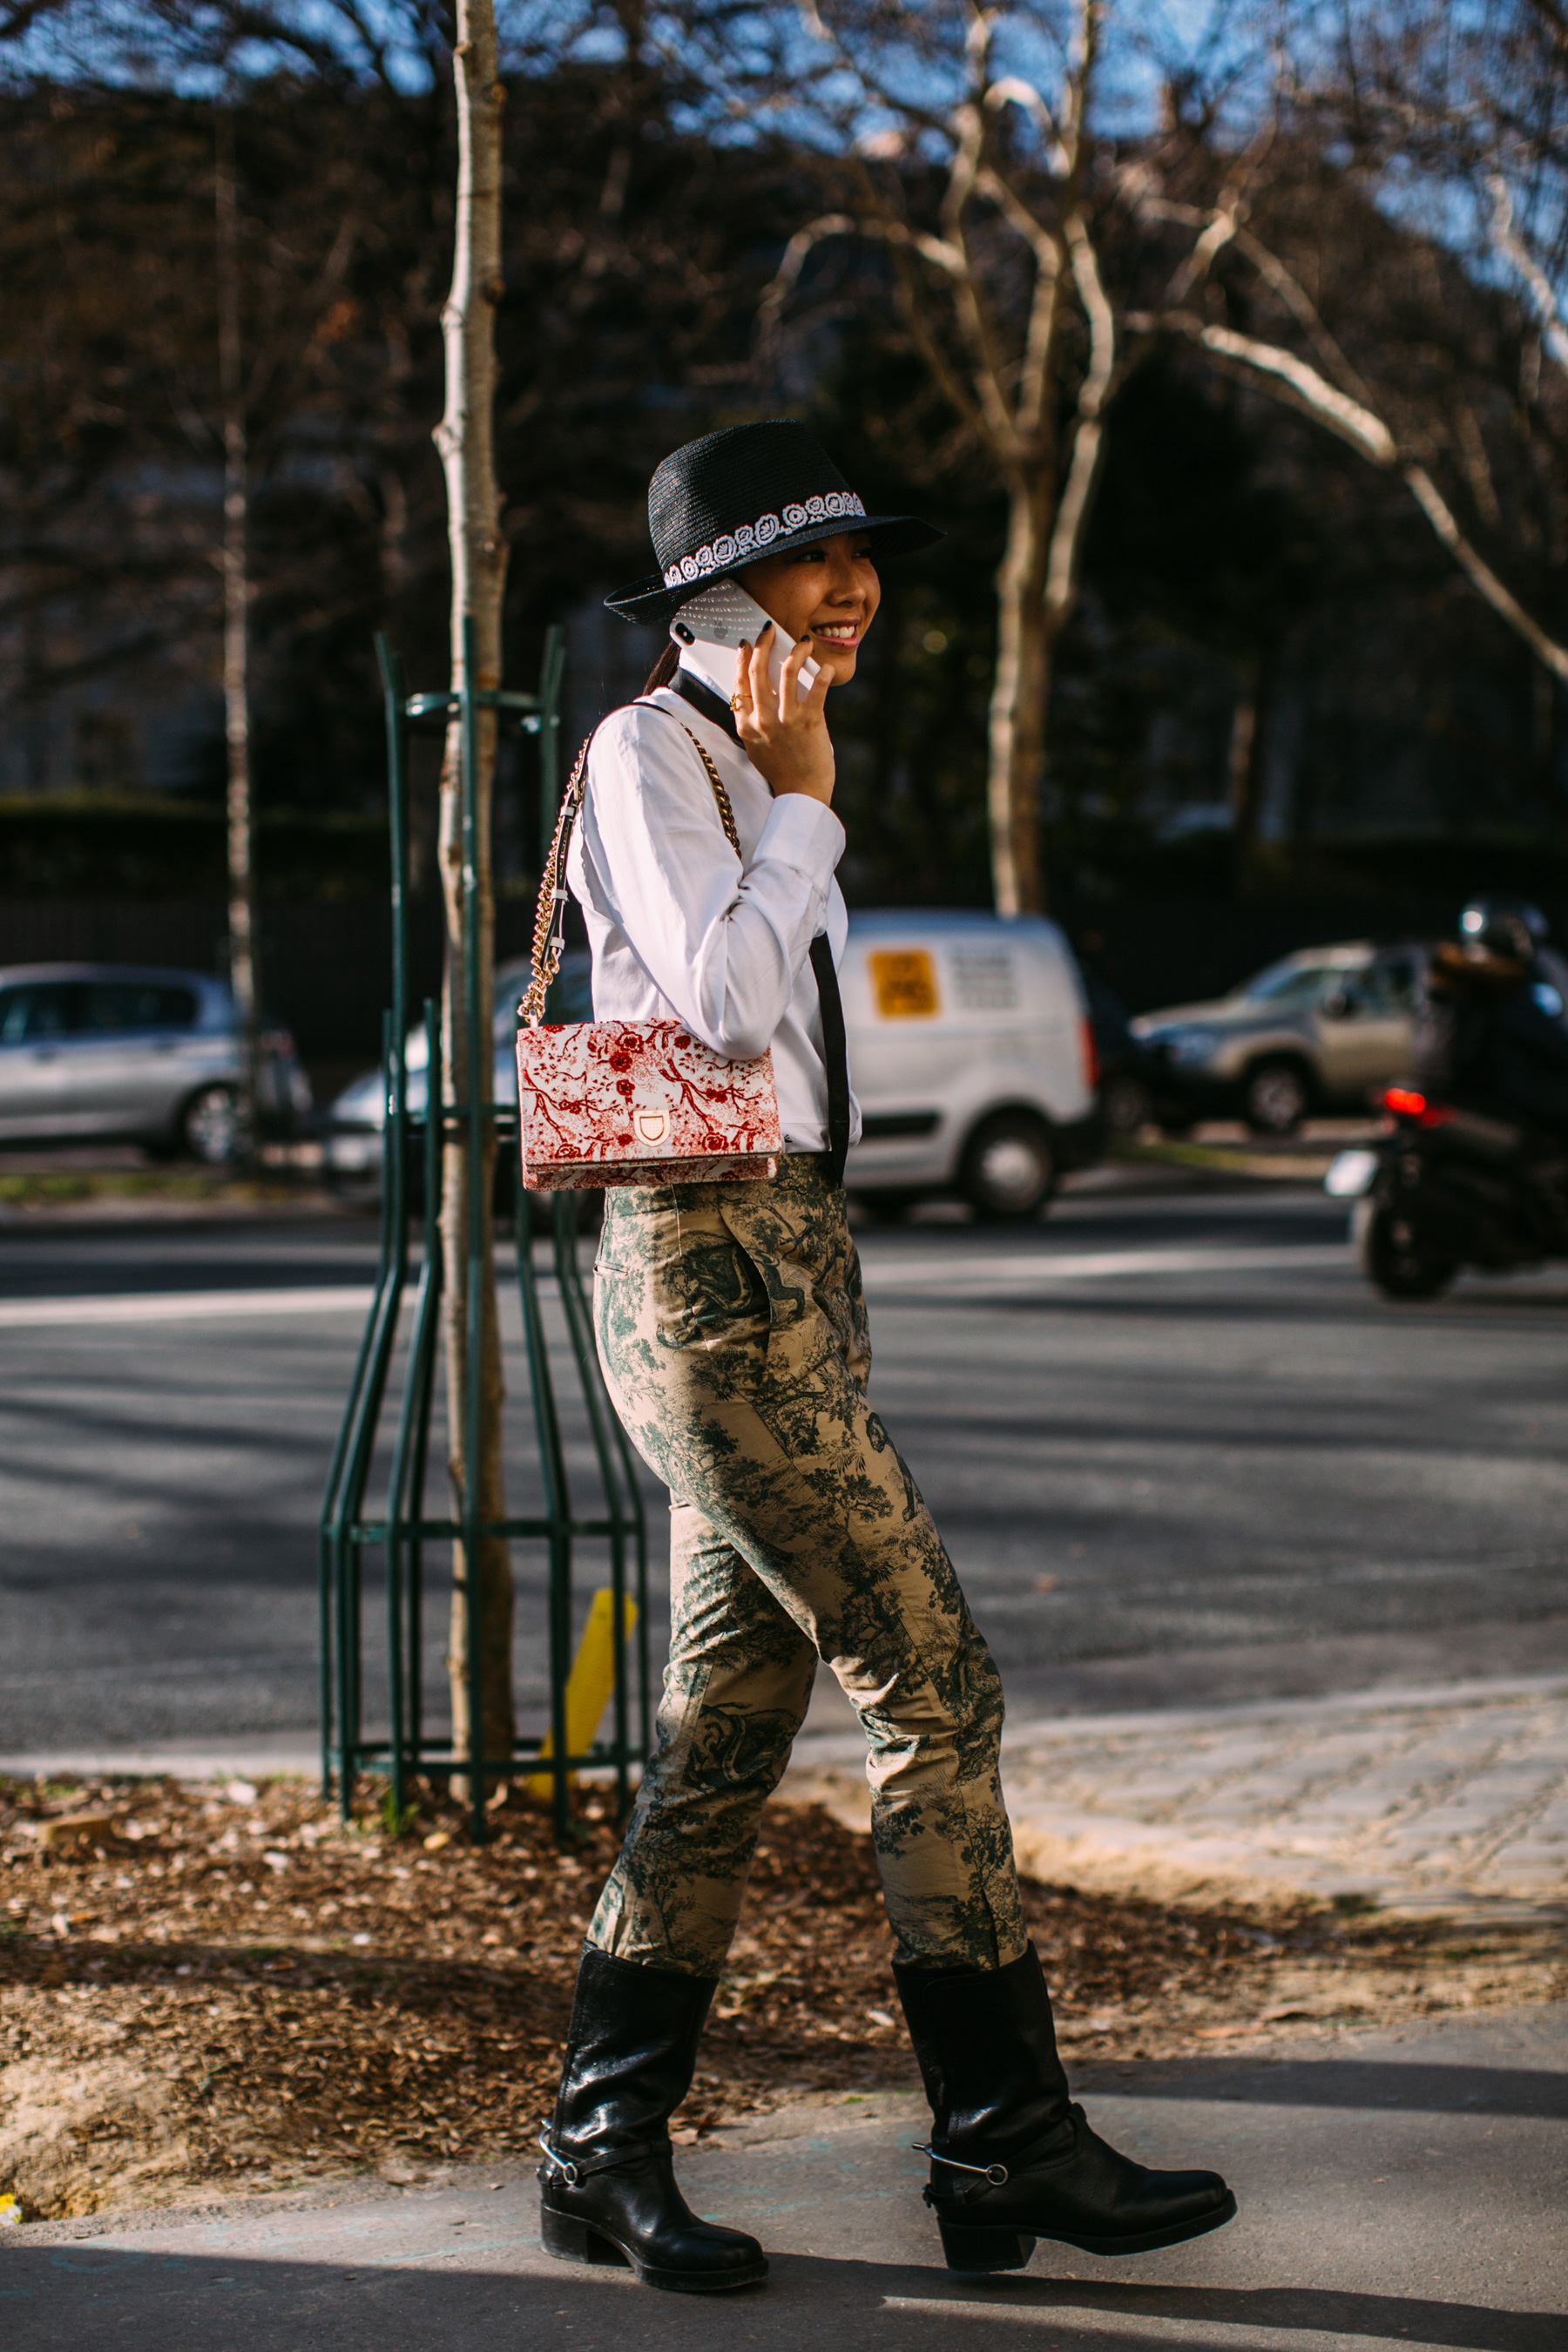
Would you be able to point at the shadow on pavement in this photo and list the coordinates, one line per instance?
(145, 2301)
(1342, 2083)
(1313, 2311)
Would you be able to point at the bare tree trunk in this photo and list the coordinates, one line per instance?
(1238, 759)
(1018, 701)
(34, 696)
(465, 438)
(244, 960)
(1249, 755)
(1543, 735)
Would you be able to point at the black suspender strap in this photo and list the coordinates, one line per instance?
(703, 698)
(836, 1055)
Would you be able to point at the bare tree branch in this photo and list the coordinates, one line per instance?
(1005, 295)
(19, 16)
(1011, 90)
(1506, 236)
(1062, 564)
(932, 350)
(1553, 17)
(1440, 515)
(905, 242)
(1301, 307)
(1307, 388)
(975, 323)
(786, 278)
(1036, 384)
(1469, 445)
(1302, 386)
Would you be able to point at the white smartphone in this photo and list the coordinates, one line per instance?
(725, 615)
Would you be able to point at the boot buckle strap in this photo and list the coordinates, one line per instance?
(562, 2166)
(996, 2174)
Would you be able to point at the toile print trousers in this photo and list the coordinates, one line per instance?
(731, 1330)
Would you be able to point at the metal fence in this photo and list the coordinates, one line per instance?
(400, 1525)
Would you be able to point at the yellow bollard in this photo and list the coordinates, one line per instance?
(589, 1685)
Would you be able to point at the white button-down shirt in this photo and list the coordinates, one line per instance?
(679, 930)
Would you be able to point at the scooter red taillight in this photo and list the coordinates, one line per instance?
(1406, 1103)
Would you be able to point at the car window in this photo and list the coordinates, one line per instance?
(1385, 987)
(111, 1005)
(1112, 1020)
(1292, 984)
(42, 1010)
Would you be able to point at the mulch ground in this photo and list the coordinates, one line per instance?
(223, 1986)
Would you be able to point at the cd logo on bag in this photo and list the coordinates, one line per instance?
(653, 1126)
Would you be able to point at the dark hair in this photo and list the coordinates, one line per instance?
(665, 667)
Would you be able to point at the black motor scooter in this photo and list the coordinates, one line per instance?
(1446, 1188)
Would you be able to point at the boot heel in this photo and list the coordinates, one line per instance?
(985, 2250)
(572, 2241)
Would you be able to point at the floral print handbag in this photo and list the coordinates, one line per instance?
(631, 1102)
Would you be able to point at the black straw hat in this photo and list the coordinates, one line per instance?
(751, 490)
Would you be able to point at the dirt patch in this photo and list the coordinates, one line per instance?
(52, 1190)
(222, 1984)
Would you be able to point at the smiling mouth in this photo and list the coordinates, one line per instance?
(838, 633)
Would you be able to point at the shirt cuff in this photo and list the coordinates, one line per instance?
(803, 833)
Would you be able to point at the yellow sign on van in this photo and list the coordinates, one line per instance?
(904, 979)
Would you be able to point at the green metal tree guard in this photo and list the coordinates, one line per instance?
(400, 1525)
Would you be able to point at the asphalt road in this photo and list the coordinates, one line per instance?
(1178, 1451)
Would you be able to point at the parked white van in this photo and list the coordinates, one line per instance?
(970, 1053)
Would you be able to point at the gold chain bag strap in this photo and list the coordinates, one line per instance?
(550, 914)
(617, 1102)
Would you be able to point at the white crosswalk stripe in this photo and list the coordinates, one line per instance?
(972, 1273)
(952, 1273)
(186, 1305)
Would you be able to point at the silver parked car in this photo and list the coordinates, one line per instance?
(1317, 1031)
(130, 1052)
(358, 1115)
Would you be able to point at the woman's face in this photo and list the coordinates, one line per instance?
(829, 593)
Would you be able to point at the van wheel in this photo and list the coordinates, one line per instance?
(1009, 1168)
(1276, 1098)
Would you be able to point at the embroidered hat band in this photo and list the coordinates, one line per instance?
(721, 502)
(749, 538)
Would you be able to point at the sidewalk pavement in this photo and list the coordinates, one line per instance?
(1404, 2189)
(1450, 1798)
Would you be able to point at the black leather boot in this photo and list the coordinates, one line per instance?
(1013, 2158)
(608, 2178)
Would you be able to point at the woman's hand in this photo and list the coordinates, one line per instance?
(786, 737)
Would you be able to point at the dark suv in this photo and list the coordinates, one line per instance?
(1318, 1031)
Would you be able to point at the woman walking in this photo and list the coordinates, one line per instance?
(732, 1333)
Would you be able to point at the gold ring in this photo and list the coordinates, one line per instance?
(735, 702)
